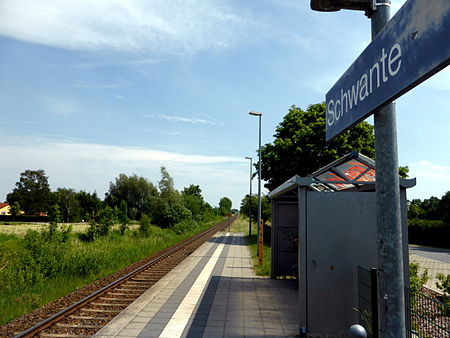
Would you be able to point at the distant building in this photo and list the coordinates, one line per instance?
(5, 209)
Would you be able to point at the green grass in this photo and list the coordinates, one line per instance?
(26, 283)
(241, 225)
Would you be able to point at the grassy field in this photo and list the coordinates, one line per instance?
(241, 225)
(35, 270)
(20, 229)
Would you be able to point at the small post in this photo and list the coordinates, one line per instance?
(261, 242)
(374, 300)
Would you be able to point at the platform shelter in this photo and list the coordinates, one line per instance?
(332, 213)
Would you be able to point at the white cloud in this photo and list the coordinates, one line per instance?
(90, 167)
(61, 106)
(173, 118)
(426, 168)
(440, 81)
(431, 178)
(112, 85)
(159, 26)
(132, 62)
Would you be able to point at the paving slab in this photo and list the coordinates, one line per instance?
(212, 293)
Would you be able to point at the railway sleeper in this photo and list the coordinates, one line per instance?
(57, 335)
(110, 304)
(100, 310)
(78, 326)
(118, 294)
(91, 317)
(116, 299)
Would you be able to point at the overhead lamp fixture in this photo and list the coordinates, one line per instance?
(368, 6)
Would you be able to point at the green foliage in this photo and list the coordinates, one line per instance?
(224, 205)
(144, 225)
(266, 207)
(403, 171)
(193, 200)
(134, 190)
(428, 232)
(15, 210)
(432, 208)
(184, 226)
(100, 226)
(265, 268)
(89, 204)
(37, 269)
(416, 279)
(32, 192)
(123, 216)
(444, 286)
(55, 216)
(68, 204)
(300, 148)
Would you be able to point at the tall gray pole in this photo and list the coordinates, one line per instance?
(250, 199)
(390, 255)
(259, 179)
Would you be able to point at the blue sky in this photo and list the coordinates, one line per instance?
(94, 88)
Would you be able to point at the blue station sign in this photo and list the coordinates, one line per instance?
(414, 45)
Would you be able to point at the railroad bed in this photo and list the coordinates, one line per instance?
(83, 313)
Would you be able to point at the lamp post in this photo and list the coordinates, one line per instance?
(390, 256)
(254, 113)
(250, 199)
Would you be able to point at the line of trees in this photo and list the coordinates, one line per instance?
(433, 208)
(128, 198)
(429, 221)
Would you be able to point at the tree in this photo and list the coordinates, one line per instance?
(15, 210)
(123, 216)
(193, 200)
(166, 188)
(134, 190)
(300, 148)
(224, 205)
(68, 204)
(403, 171)
(168, 208)
(32, 192)
(415, 210)
(444, 207)
(89, 204)
(266, 208)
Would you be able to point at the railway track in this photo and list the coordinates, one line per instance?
(88, 315)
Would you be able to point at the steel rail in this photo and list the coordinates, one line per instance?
(49, 321)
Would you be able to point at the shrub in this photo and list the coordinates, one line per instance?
(444, 285)
(144, 225)
(184, 226)
(428, 232)
(416, 280)
(99, 226)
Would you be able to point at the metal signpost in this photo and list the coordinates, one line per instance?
(413, 46)
(404, 52)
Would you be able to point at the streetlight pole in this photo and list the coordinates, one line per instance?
(250, 199)
(390, 255)
(254, 113)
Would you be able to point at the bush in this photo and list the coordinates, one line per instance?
(100, 226)
(428, 232)
(444, 285)
(144, 225)
(184, 226)
(416, 280)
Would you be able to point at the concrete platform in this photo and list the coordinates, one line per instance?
(212, 293)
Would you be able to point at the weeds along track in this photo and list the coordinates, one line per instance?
(85, 316)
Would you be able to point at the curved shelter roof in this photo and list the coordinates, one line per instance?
(352, 172)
